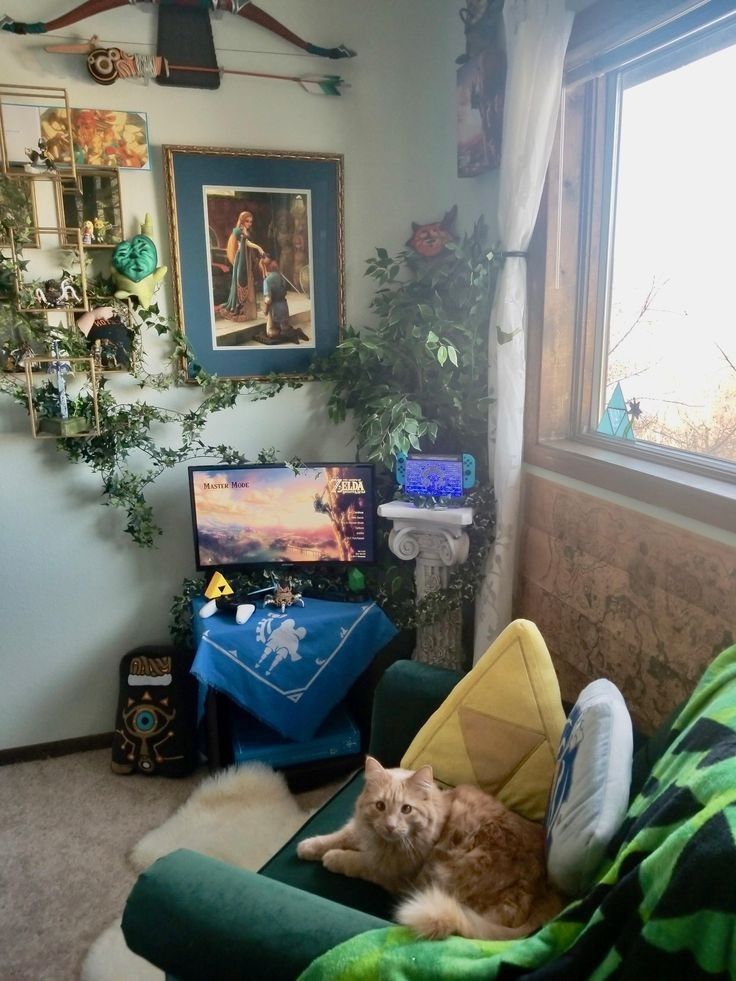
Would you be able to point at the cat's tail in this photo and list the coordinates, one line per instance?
(434, 914)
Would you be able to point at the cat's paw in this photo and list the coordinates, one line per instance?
(334, 861)
(311, 849)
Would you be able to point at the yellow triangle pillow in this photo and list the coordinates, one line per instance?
(500, 726)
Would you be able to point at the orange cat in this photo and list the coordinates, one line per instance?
(469, 865)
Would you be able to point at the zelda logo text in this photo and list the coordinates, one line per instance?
(347, 485)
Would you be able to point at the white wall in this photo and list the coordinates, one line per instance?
(76, 592)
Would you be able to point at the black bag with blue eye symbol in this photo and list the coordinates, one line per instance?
(156, 718)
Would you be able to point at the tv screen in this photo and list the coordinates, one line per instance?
(266, 514)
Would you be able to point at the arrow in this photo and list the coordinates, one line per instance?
(314, 84)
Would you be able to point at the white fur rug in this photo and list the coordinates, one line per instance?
(241, 816)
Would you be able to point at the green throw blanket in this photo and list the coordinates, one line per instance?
(664, 905)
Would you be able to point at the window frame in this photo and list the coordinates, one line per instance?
(567, 286)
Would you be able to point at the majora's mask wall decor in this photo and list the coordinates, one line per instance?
(135, 268)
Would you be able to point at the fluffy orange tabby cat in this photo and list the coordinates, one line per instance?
(468, 865)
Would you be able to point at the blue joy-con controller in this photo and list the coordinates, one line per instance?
(401, 469)
(468, 470)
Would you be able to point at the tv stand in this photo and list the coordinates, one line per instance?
(219, 710)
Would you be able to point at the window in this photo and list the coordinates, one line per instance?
(632, 381)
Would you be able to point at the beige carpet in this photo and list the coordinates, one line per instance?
(67, 827)
(241, 816)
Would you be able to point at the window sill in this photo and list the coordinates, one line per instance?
(695, 496)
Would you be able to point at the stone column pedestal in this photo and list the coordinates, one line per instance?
(435, 538)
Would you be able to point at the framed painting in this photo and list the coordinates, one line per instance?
(100, 137)
(257, 254)
(481, 84)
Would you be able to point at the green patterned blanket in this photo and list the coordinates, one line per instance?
(664, 905)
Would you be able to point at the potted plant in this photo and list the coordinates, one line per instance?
(417, 380)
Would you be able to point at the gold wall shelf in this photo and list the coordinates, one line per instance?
(38, 97)
(94, 195)
(69, 239)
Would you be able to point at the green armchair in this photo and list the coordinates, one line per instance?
(196, 917)
(662, 906)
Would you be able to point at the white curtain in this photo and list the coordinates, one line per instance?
(537, 32)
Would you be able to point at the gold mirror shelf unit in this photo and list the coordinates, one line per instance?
(69, 240)
(14, 99)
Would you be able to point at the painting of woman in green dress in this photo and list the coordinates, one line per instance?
(244, 256)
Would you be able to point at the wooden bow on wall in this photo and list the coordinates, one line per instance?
(185, 34)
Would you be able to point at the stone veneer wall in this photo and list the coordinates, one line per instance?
(621, 595)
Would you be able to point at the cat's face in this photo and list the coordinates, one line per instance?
(398, 805)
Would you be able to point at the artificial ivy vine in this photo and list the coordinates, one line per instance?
(416, 379)
(128, 427)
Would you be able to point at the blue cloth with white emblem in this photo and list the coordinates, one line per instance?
(289, 669)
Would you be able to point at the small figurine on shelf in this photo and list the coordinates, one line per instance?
(283, 595)
(88, 232)
(58, 369)
(68, 295)
(14, 358)
(40, 159)
(100, 229)
(53, 294)
(41, 294)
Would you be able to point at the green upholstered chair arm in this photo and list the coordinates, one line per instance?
(196, 917)
(407, 694)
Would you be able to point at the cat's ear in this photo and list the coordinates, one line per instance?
(372, 767)
(423, 777)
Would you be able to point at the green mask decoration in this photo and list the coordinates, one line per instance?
(135, 258)
(134, 268)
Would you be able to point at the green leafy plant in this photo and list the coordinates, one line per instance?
(21, 333)
(417, 379)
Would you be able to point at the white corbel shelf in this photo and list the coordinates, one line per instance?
(435, 538)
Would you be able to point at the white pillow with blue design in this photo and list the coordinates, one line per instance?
(590, 790)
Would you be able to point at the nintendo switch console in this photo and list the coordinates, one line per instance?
(423, 475)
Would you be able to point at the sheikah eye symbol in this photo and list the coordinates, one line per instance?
(146, 720)
(143, 723)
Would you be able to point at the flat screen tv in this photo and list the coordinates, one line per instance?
(266, 514)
